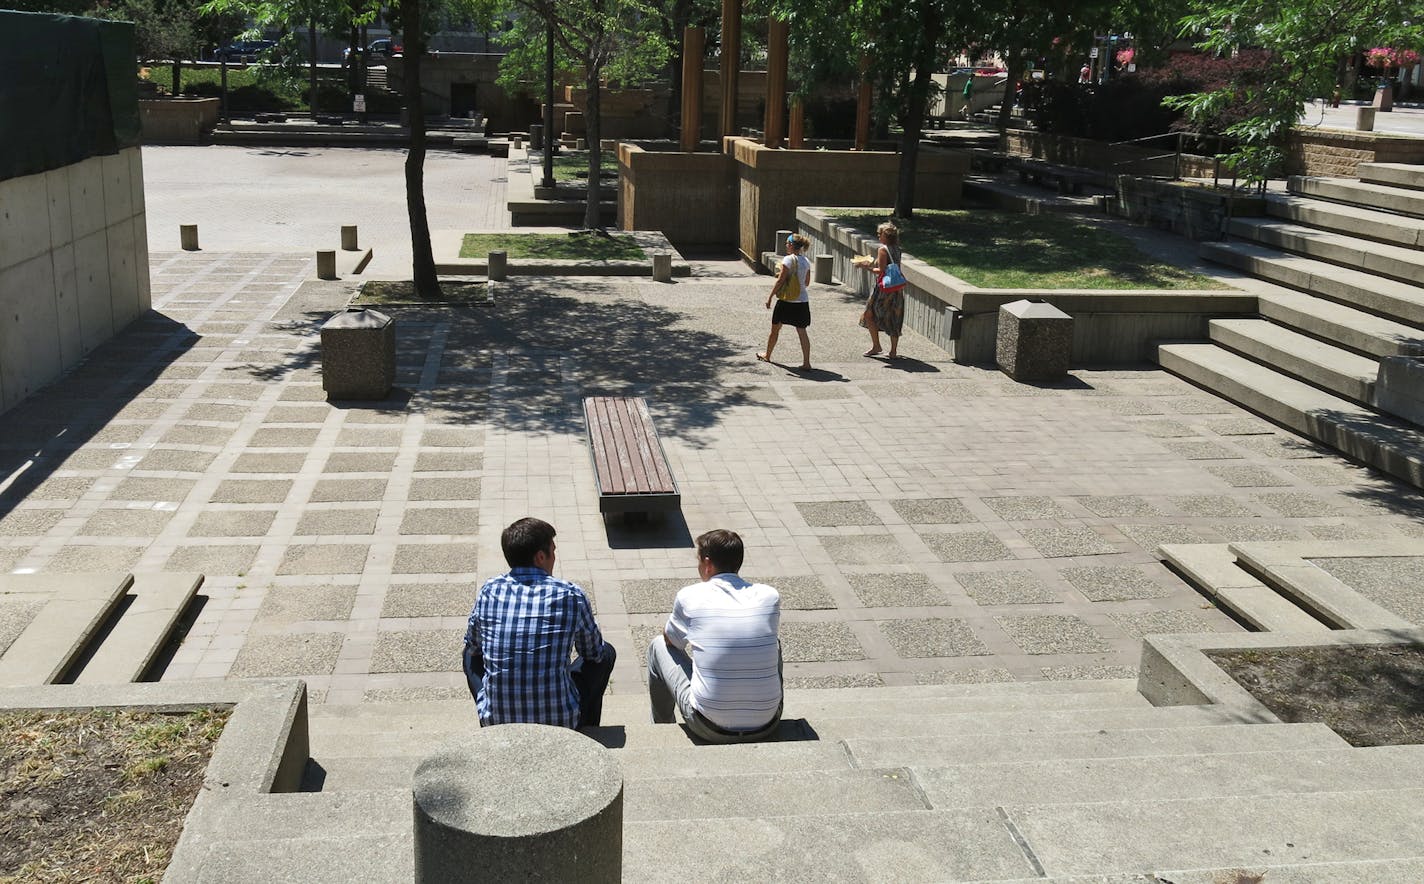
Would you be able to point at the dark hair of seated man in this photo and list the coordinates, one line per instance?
(723, 548)
(525, 538)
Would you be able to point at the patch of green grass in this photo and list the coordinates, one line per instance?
(569, 163)
(1000, 250)
(378, 292)
(554, 246)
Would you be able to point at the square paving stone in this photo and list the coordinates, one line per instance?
(15, 618)
(194, 434)
(324, 558)
(448, 461)
(212, 560)
(1018, 509)
(336, 522)
(912, 590)
(240, 392)
(296, 414)
(251, 491)
(819, 392)
(126, 523)
(1141, 623)
(444, 489)
(1243, 426)
(1247, 477)
(346, 490)
(427, 694)
(232, 523)
(1108, 584)
(1149, 537)
(1283, 447)
(939, 637)
(1120, 506)
(1301, 505)
(142, 411)
(273, 656)
(29, 523)
(452, 437)
(418, 651)
(1129, 407)
(1322, 473)
(964, 676)
(93, 458)
(59, 488)
(1056, 543)
(969, 546)
(138, 488)
(1199, 405)
(1080, 673)
(1391, 582)
(368, 437)
(933, 511)
(290, 603)
(211, 411)
(360, 462)
(832, 682)
(815, 642)
(436, 558)
(1217, 505)
(864, 549)
(1053, 634)
(1164, 429)
(174, 390)
(837, 513)
(1005, 588)
(78, 559)
(1345, 531)
(284, 437)
(1202, 450)
(263, 462)
(653, 595)
(429, 600)
(302, 393)
(441, 520)
(175, 460)
(1255, 532)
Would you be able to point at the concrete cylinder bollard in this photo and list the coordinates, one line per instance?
(348, 238)
(188, 237)
(517, 141)
(536, 137)
(1365, 119)
(498, 265)
(824, 265)
(662, 266)
(326, 264)
(521, 802)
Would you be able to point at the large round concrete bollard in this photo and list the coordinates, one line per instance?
(1365, 119)
(498, 265)
(824, 265)
(326, 264)
(188, 237)
(348, 238)
(662, 266)
(519, 802)
(517, 141)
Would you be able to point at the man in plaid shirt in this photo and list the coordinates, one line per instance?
(519, 635)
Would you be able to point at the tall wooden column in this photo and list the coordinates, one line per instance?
(776, 52)
(862, 106)
(731, 64)
(796, 129)
(693, 40)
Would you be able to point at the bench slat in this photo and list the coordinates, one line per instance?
(661, 474)
(628, 458)
(611, 476)
(635, 445)
(626, 482)
(598, 434)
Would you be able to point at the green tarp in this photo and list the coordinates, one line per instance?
(69, 91)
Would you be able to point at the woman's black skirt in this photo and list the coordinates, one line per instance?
(797, 313)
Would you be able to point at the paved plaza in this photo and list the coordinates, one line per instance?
(925, 521)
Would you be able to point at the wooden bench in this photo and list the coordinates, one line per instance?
(628, 461)
(1065, 178)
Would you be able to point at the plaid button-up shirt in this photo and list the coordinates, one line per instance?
(523, 625)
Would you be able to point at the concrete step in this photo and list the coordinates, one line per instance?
(1399, 301)
(1359, 193)
(1212, 568)
(341, 859)
(1098, 743)
(1301, 356)
(129, 648)
(1381, 259)
(1350, 328)
(73, 607)
(1355, 221)
(1390, 871)
(1381, 442)
(799, 793)
(1407, 175)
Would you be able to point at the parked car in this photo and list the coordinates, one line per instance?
(242, 50)
(379, 49)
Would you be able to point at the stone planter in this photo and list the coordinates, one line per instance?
(1384, 97)
(177, 120)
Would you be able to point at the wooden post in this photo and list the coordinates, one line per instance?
(693, 41)
(862, 106)
(776, 52)
(731, 64)
(796, 133)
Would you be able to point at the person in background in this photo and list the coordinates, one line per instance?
(793, 304)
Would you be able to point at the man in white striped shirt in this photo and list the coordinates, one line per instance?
(719, 658)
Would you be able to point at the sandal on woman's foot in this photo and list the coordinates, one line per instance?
(892, 355)
(873, 351)
(803, 368)
(761, 357)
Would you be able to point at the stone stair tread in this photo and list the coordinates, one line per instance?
(1363, 193)
(795, 793)
(1382, 442)
(974, 748)
(1407, 175)
(1212, 567)
(1301, 356)
(910, 724)
(1384, 259)
(131, 646)
(74, 608)
(1361, 331)
(337, 859)
(1358, 221)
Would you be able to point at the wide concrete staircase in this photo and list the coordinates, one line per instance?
(1005, 782)
(1346, 259)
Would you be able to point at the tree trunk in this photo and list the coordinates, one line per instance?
(1013, 68)
(311, 61)
(427, 283)
(917, 105)
(177, 77)
(592, 118)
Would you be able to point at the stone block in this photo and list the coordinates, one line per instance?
(86, 197)
(91, 277)
(1034, 341)
(358, 355)
(1400, 388)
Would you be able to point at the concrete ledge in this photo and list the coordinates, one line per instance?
(448, 242)
(1288, 568)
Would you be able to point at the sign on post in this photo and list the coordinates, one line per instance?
(358, 104)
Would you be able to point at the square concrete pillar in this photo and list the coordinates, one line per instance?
(1034, 342)
(1400, 388)
(358, 355)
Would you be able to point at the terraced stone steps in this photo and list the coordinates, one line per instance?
(1300, 356)
(1385, 197)
(1382, 259)
(1353, 330)
(1406, 175)
(1362, 222)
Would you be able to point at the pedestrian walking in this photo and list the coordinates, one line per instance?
(793, 304)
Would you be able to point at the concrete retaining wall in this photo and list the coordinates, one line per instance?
(1337, 153)
(178, 120)
(690, 197)
(1194, 212)
(73, 266)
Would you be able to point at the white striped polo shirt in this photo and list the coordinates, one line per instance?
(730, 627)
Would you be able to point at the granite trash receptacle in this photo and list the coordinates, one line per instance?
(1034, 341)
(358, 354)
